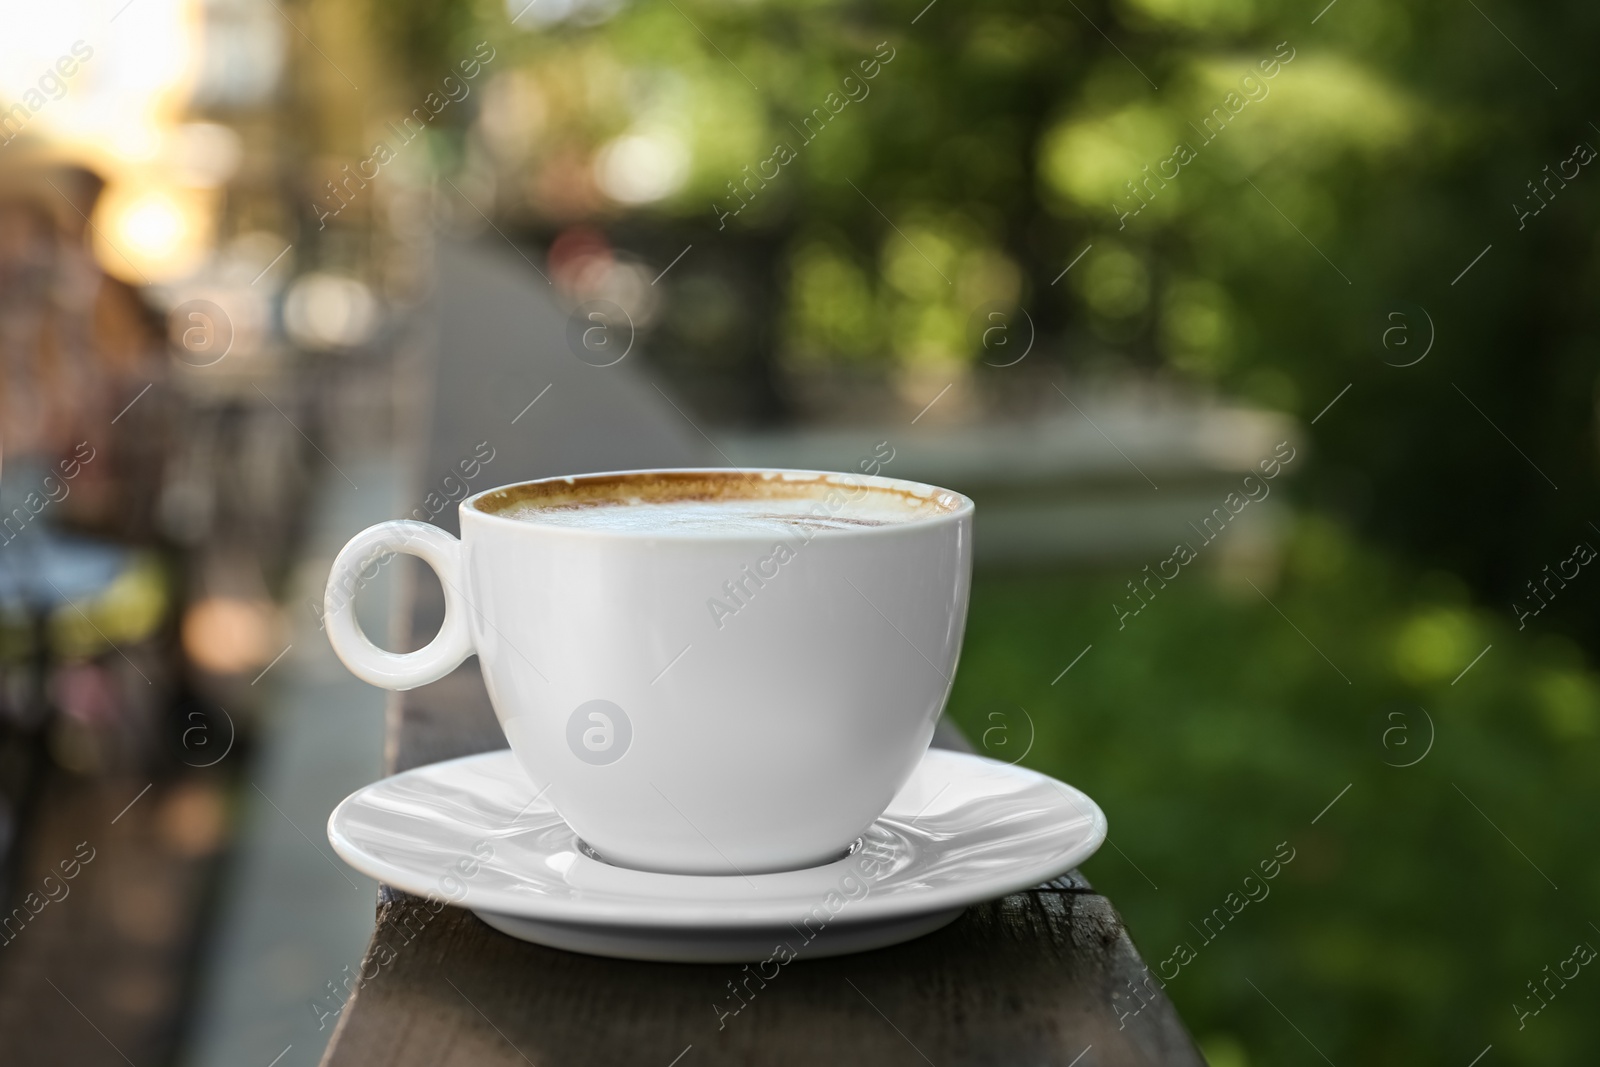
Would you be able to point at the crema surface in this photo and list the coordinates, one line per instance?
(724, 516)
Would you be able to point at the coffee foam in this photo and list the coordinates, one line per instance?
(694, 516)
(699, 502)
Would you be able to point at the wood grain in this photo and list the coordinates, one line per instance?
(1025, 980)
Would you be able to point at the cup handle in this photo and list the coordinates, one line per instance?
(394, 670)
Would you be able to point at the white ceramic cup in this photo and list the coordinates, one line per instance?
(671, 734)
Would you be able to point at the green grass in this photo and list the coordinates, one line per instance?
(1210, 731)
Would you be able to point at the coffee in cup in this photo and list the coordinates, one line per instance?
(704, 671)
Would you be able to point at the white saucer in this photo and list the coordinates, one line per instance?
(472, 832)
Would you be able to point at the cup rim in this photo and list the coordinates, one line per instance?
(963, 504)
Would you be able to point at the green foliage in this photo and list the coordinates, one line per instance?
(1211, 731)
(423, 39)
(1339, 165)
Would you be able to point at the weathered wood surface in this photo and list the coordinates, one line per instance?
(1040, 977)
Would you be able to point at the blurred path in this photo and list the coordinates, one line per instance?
(506, 385)
(503, 347)
(291, 914)
(501, 400)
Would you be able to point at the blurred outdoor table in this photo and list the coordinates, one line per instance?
(1046, 976)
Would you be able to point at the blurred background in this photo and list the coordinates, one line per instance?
(1270, 281)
